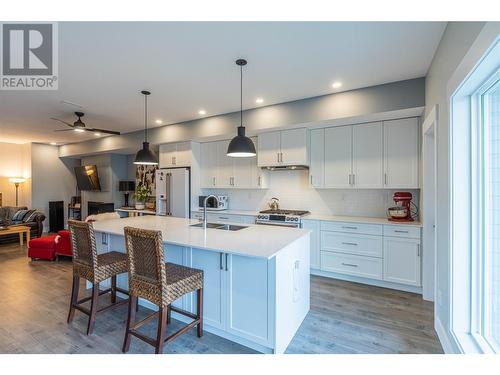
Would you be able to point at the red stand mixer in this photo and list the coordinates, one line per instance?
(404, 210)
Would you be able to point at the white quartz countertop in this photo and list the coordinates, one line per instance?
(262, 241)
(229, 212)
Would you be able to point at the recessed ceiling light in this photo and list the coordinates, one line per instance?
(259, 100)
(53, 143)
(336, 85)
(97, 134)
(79, 130)
(159, 121)
(202, 112)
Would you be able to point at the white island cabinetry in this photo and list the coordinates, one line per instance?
(256, 280)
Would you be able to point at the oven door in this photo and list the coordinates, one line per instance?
(278, 224)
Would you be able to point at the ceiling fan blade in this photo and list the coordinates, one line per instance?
(104, 131)
(64, 122)
(64, 130)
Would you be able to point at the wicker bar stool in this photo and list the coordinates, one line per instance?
(160, 283)
(87, 264)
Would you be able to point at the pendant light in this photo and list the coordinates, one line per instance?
(241, 146)
(145, 156)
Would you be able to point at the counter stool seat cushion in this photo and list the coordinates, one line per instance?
(108, 264)
(181, 280)
(42, 248)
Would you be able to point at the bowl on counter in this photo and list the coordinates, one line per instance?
(397, 212)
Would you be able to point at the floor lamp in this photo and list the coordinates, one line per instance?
(16, 181)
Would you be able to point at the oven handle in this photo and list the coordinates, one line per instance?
(279, 224)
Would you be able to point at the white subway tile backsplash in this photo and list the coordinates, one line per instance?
(292, 189)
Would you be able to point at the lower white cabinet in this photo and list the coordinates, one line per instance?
(402, 259)
(354, 265)
(314, 226)
(247, 311)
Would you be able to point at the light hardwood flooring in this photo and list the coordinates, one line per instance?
(344, 317)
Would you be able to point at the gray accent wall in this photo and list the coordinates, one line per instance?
(350, 104)
(52, 179)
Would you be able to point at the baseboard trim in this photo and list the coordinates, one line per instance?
(443, 337)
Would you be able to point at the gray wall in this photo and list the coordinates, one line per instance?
(111, 168)
(53, 178)
(457, 39)
(376, 99)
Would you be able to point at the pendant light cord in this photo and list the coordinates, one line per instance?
(145, 118)
(241, 95)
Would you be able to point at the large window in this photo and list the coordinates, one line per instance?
(475, 207)
(490, 114)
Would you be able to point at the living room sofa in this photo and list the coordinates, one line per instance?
(35, 223)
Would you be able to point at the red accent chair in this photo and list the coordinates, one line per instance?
(42, 248)
(63, 244)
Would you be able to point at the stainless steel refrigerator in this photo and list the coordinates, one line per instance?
(173, 195)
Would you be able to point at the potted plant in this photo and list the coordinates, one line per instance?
(140, 196)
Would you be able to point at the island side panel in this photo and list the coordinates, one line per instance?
(292, 290)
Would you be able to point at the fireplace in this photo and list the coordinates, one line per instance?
(94, 208)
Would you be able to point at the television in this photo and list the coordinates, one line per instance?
(87, 178)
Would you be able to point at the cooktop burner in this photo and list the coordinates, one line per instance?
(285, 212)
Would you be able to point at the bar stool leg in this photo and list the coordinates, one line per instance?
(169, 314)
(162, 328)
(93, 307)
(199, 311)
(113, 289)
(132, 308)
(74, 297)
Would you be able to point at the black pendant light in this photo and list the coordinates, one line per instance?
(145, 156)
(241, 146)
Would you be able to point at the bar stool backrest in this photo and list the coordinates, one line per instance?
(83, 243)
(146, 262)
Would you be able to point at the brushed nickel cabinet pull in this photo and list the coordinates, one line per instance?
(278, 156)
(220, 259)
(349, 265)
(350, 243)
(346, 227)
(385, 178)
(400, 231)
(213, 181)
(259, 181)
(418, 251)
(227, 269)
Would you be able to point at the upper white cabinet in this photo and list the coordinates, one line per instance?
(365, 156)
(221, 171)
(281, 148)
(401, 153)
(338, 157)
(175, 155)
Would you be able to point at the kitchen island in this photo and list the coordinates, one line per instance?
(256, 280)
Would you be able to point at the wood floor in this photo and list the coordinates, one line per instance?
(344, 317)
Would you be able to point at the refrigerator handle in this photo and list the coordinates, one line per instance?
(167, 193)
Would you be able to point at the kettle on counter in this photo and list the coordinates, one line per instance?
(274, 204)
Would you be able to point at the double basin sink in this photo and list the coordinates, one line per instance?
(230, 227)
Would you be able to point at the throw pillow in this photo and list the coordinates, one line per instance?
(19, 215)
(30, 216)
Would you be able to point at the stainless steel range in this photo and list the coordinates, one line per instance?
(285, 218)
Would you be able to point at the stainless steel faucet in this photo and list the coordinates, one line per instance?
(205, 209)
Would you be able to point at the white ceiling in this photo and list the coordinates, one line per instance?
(189, 66)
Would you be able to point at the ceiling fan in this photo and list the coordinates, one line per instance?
(79, 126)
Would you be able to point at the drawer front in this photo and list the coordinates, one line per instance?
(222, 218)
(357, 244)
(197, 215)
(401, 231)
(338, 226)
(351, 265)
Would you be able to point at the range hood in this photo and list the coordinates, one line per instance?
(286, 168)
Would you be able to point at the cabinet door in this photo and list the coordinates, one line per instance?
(224, 165)
(338, 154)
(401, 139)
(245, 172)
(294, 147)
(268, 145)
(367, 155)
(402, 260)
(314, 226)
(176, 254)
(247, 307)
(317, 158)
(182, 158)
(167, 154)
(213, 302)
(208, 164)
